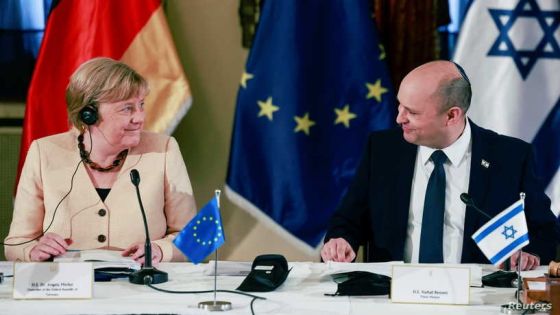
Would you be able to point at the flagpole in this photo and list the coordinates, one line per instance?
(215, 276)
(215, 305)
(217, 192)
(519, 307)
(522, 197)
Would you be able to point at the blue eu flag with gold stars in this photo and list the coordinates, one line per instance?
(203, 234)
(314, 86)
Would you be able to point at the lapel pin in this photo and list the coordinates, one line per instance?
(485, 163)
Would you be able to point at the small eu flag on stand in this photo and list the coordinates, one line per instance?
(203, 234)
(505, 234)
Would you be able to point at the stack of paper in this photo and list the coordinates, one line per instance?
(228, 268)
(101, 258)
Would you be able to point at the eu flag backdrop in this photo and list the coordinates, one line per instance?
(314, 85)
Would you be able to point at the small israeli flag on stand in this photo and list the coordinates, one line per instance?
(505, 234)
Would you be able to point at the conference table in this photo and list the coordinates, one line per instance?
(303, 292)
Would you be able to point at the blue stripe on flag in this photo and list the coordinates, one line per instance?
(498, 223)
(507, 250)
(547, 146)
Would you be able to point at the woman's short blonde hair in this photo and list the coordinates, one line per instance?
(101, 80)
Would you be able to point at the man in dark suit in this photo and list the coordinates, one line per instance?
(405, 198)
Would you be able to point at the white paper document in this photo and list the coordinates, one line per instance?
(228, 268)
(101, 258)
(7, 268)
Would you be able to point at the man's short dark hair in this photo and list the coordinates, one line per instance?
(456, 92)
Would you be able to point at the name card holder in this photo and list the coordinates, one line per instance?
(53, 280)
(430, 284)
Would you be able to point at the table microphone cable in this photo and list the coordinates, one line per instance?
(58, 204)
(147, 281)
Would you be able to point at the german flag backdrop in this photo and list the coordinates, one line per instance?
(132, 31)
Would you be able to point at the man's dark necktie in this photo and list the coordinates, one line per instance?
(431, 235)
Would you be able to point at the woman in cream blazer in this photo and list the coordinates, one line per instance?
(65, 181)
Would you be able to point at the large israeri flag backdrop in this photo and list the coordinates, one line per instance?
(127, 30)
(314, 85)
(504, 235)
(511, 51)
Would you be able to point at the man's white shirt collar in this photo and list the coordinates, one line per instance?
(455, 152)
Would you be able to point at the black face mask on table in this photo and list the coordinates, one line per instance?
(361, 283)
(500, 279)
(267, 273)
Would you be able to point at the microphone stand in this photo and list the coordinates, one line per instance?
(148, 274)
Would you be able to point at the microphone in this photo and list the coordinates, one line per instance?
(467, 199)
(148, 274)
(135, 179)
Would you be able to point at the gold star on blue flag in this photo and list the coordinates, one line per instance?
(203, 234)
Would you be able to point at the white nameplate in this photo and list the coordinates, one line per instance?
(429, 284)
(53, 280)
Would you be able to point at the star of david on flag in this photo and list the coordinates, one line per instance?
(524, 53)
(511, 52)
(505, 234)
(203, 234)
(509, 232)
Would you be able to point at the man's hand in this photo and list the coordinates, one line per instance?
(528, 261)
(337, 249)
(136, 252)
(49, 245)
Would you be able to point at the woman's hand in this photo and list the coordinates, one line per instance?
(49, 245)
(136, 252)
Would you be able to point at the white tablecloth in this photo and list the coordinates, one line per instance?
(302, 293)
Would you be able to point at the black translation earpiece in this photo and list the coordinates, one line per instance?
(88, 115)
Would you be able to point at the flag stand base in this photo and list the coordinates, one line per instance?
(215, 306)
